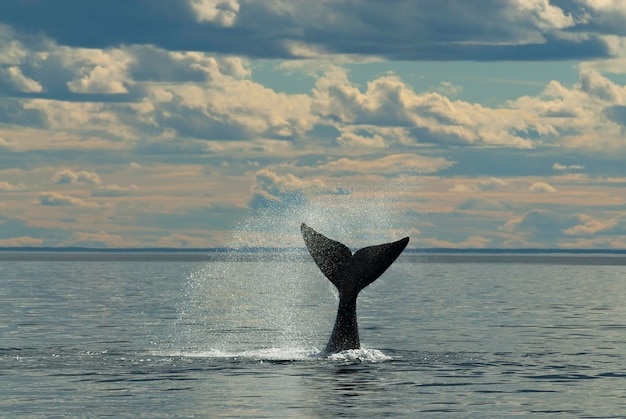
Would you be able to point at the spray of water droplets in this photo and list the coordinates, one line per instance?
(266, 292)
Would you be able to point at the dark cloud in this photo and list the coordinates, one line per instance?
(399, 29)
(616, 114)
(13, 112)
(546, 226)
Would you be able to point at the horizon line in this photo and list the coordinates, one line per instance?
(257, 249)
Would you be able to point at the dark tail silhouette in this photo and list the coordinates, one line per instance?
(350, 274)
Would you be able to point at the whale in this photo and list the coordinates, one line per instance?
(350, 273)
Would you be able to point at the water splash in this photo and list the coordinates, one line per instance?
(266, 293)
(362, 355)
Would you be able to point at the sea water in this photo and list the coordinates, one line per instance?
(212, 335)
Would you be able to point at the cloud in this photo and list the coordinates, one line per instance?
(178, 240)
(541, 187)
(428, 118)
(112, 191)
(8, 187)
(449, 89)
(476, 204)
(280, 190)
(68, 176)
(14, 77)
(55, 199)
(222, 12)
(355, 140)
(512, 30)
(106, 77)
(23, 241)
(542, 226)
(558, 166)
(590, 226)
(394, 164)
(472, 242)
(101, 239)
(490, 184)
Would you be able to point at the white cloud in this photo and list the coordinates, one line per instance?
(541, 187)
(490, 184)
(449, 89)
(55, 199)
(351, 139)
(12, 51)
(68, 176)
(221, 12)
(590, 226)
(429, 117)
(558, 166)
(8, 187)
(103, 71)
(19, 81)
(540, 14)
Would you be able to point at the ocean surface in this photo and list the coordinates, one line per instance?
(220, 335)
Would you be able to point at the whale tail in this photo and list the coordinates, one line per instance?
(350, 273)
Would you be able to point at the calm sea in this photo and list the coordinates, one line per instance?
(211, 335)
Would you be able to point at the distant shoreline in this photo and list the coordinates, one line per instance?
(281, 250)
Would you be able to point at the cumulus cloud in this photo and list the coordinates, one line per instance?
(273, 189)
(428, 117)
(490, 184)
(541, 187)
(183, 90)
(590, 226)
(55, 199)
(355, 140)
(68, 176)
(13, 76)
(221, 12)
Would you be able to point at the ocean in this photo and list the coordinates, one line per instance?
(174, 334)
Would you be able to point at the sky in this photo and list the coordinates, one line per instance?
(227, 123)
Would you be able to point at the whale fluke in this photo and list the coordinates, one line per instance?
(350, 274)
